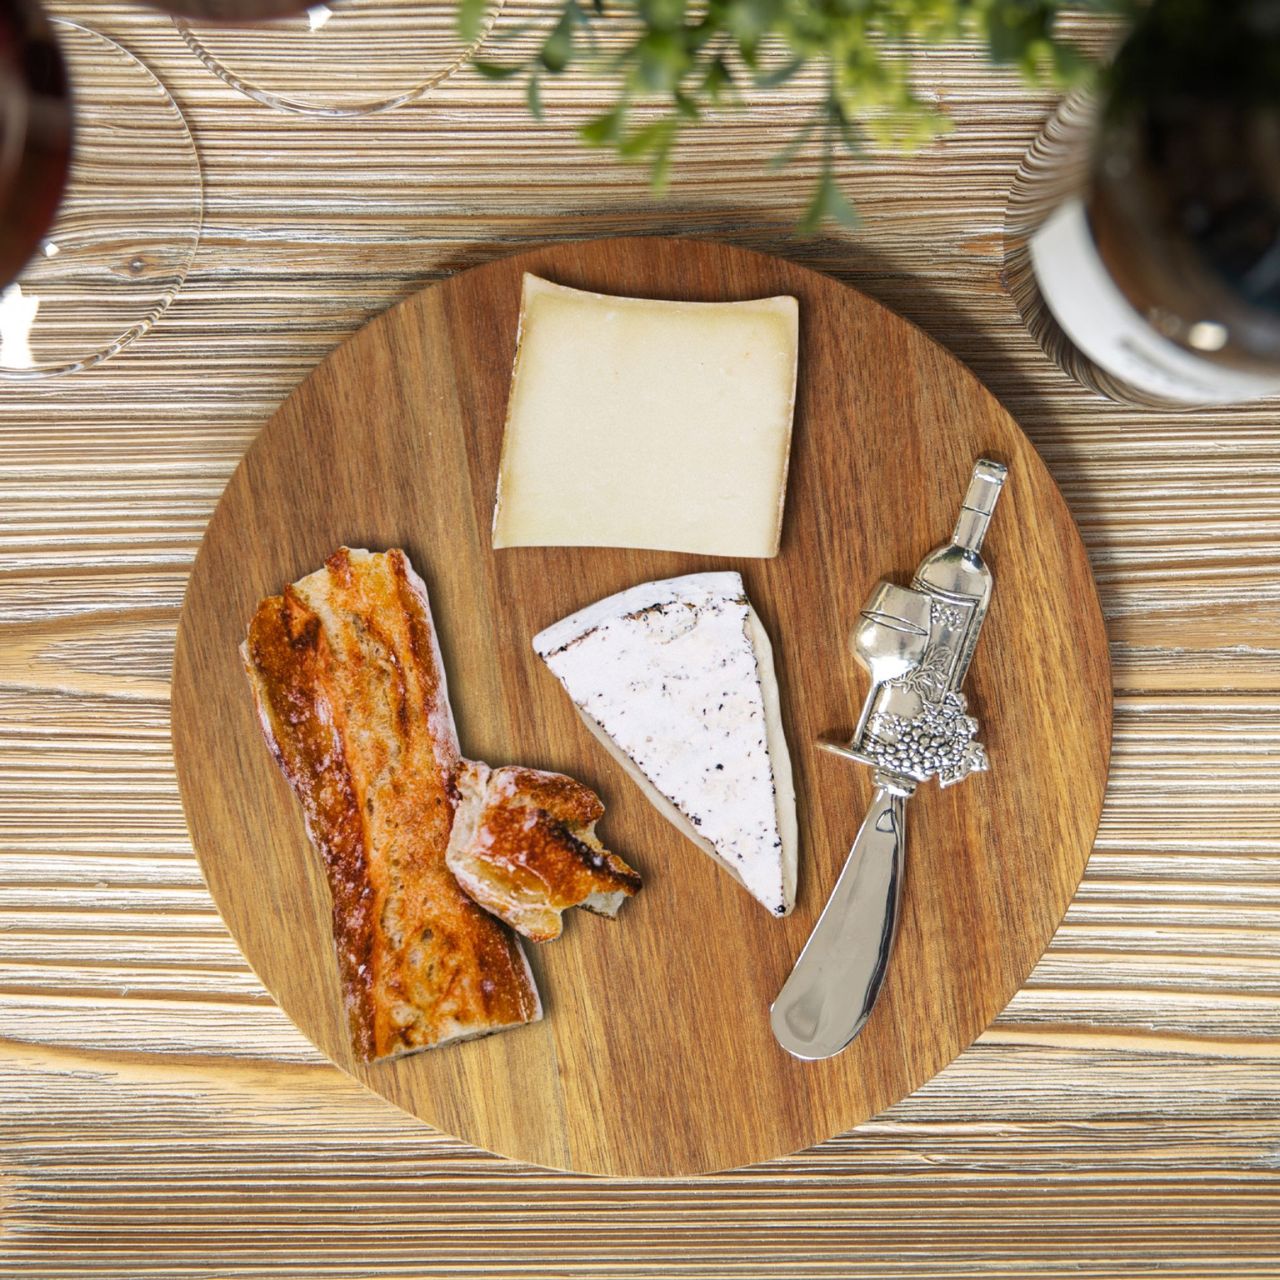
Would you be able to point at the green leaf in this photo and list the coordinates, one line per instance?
(844, 128)
(686, 107)
(779, 75)
(661, 15)
(557, 49)
(662, 61)
(656, 142)
(660, 170)
(796, 145)
(1014, 26)
(603, 129)
(749, 50)
(471, 16)
(649, 138)
(750, 20)
(717, 83)
(1070, 65)
(496, 70)
(828, 204)
(533, 95)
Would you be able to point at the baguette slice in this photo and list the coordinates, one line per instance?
(676, 679)
(524, 847)
(350, 691)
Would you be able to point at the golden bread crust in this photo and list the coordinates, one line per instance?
(351, 694)
(524, 847)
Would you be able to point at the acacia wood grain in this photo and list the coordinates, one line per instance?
(655, 1056)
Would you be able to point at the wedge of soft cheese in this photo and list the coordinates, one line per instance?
(676, 679)
(640, 423)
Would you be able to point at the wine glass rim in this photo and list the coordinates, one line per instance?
(282, 102)
(181, 270)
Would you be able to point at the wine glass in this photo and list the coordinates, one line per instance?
(129, 221)
(1054, 167)
(342, 58)
(35, 131)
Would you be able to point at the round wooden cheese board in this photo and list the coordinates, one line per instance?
(655, 1056)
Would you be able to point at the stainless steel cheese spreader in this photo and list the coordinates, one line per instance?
(917, 643)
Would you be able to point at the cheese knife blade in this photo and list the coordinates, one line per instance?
(835, 982)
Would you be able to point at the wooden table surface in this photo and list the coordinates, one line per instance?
(160, 1117)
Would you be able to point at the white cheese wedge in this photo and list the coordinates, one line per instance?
(641, 423)
(676, 679)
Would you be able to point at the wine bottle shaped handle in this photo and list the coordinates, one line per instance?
(979, 504)
(916, 642)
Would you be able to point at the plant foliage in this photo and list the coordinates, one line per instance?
(686, 59)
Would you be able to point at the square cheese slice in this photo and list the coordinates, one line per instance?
(642, 423)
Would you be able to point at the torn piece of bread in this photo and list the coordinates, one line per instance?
(524, 847)
(350, 690)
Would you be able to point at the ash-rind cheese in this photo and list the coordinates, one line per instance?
(676, 678)
(636, 422)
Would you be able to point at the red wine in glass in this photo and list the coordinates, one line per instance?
(35, 132)
(36, 114)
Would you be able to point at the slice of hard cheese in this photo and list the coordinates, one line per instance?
(640, 423)
(676, 678)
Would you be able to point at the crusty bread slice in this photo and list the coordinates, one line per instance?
(524, 847)
(350, 691)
